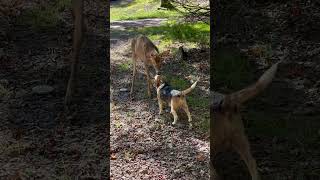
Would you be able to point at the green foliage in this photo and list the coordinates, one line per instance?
(173, 31)
(178, 83)
(125, 66)
(140, 9)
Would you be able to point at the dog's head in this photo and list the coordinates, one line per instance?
(157, 59)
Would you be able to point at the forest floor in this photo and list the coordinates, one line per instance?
(283, 122)
(145, 145)
(36, 140)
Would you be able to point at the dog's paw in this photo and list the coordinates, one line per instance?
(190, 126)
(174, 123)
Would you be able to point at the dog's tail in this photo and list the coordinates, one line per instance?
(187, 91)
(244, 95)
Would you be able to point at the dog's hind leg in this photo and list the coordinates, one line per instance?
(175, 115)
(186, 109)
(242, 146)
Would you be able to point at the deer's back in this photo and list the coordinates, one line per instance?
(142, 45)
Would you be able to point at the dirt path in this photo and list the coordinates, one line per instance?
(143, 145)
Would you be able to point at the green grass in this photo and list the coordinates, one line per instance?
(178, 83)
(140, 9)
(174, 32)
(125, 66)
(45, 17)
(201, 103)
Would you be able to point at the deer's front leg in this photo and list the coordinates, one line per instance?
(148, 80)
(77, 41)
(134, 74)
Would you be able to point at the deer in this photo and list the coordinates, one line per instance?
(144, 50)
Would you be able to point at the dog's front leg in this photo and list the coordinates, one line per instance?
(160, 105)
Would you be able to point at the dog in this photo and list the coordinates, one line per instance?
(227, 127)
(144, 50)
(174, 98)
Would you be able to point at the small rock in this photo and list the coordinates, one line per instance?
(299, 83)
(42, 89)
(123, 90)
(309, 64)
(176, 171)
(21, 93)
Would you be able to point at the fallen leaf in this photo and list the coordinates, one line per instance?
(200, 157)
(113, 156)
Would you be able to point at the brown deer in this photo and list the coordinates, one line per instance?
(79, 29)
(144, 50)
(227, 130)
